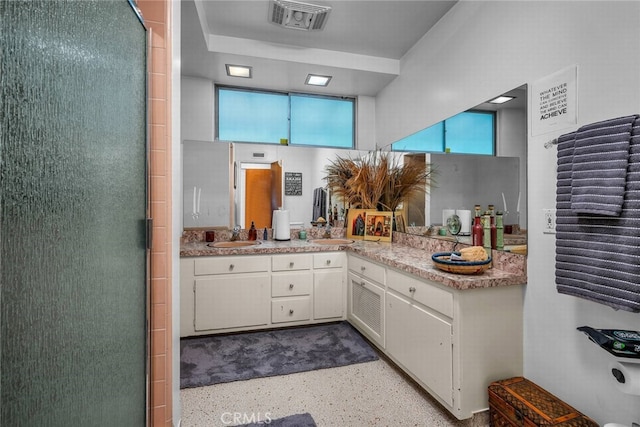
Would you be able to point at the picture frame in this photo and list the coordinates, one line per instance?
(400, 222)
(355, 223)
(378, 226)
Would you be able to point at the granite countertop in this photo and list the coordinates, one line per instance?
(507, 269)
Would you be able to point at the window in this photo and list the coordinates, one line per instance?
(248, 116)
(470, 132)
(429, 139)
(322, 121)
(245, 115)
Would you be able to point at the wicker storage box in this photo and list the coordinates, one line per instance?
(519, 402)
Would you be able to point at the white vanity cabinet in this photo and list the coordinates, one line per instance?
(246, 292)
(226, 293)
(453, 342)
(365, 299)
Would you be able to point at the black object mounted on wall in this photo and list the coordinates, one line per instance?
(620, 343)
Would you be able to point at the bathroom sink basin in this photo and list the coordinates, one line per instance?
(331, 241)
(234, 244)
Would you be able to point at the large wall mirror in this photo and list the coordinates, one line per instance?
(463, 181)
(218, 178)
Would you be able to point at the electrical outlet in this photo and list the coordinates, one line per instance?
(549, 221)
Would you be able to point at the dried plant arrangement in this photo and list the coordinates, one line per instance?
(377, 180)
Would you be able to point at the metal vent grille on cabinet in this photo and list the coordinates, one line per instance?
(298, 15)
(366, 306)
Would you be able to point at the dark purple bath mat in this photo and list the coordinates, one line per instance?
(219, 359)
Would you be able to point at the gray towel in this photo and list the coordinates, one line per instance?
(319, 203)
(598, 257)
(599, 167)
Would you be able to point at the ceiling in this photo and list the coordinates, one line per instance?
(360, 47)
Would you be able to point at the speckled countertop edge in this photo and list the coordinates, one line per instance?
(405, 258)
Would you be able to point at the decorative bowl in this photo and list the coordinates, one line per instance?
(442, 260)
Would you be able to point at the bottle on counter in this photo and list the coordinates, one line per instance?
(499, 231)
(492, 225)
(486, 233)
(476, 232)
(253, 233)
(265, 235)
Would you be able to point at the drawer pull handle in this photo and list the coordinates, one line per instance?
(328, 262)
(291, 311)
(231, 267)
(412, 289)
(291, 265)
(290, 285)
(363, 268)
(362, 284)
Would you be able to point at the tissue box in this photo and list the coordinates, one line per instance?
(519, 402)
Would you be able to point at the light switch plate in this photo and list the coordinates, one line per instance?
(549, 216)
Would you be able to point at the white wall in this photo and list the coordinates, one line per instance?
(366, 130)
(176, 210)
(481, 49)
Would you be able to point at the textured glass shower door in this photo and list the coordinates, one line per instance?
(73, 203)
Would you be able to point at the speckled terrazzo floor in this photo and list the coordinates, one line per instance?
(360, 395)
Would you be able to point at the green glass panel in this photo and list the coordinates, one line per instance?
(72, 206)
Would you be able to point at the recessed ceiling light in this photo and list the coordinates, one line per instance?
(316, 80)
(501, 99)
(238, 71)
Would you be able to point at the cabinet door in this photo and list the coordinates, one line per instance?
(232, 301)
(421, 342)
(328, 294)
(366, 307)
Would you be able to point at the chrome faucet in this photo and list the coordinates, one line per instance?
(327, 232)
(235, 233)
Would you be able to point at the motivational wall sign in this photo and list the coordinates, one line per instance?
(293, 184)
(554, 101)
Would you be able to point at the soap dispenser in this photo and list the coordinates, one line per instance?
(253, 233)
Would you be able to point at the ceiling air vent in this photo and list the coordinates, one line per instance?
(298, 15)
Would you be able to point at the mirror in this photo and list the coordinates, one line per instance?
(462, 180)
(205, 184)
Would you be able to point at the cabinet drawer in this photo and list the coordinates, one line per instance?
(421, 292)
(329, 260)
(291, 284)
(367, 269)
(290, 309)
(291, 262)
(227, 265)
